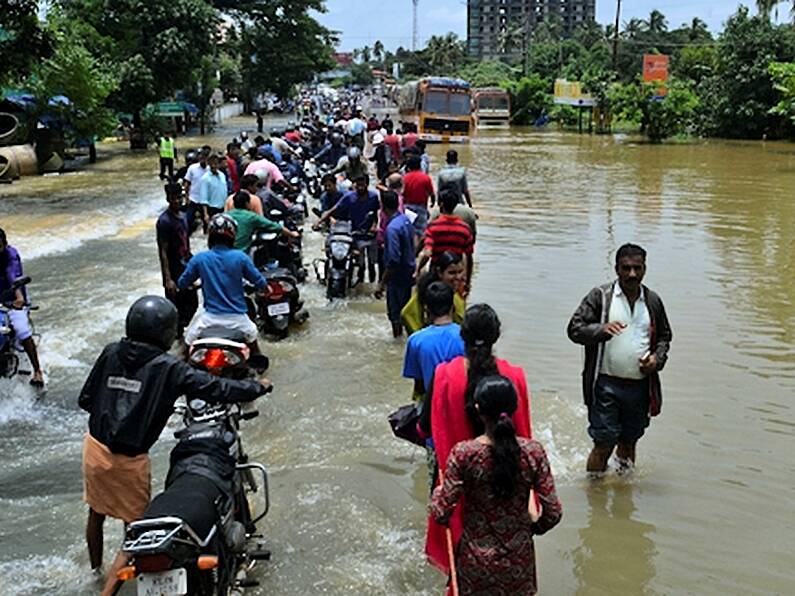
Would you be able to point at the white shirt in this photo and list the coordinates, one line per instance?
(623, 352)
(194, 175)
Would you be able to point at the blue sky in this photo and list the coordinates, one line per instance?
(361, 22)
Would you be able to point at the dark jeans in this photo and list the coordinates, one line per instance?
(166, 163)
(620, 410)
(187, 302)
(397, 296)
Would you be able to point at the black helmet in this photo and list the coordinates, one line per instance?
(152, 320)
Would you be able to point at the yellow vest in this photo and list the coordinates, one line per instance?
(166, 148)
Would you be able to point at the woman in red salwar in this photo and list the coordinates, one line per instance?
(496, 473)
(449, 414)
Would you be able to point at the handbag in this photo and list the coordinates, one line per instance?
(404, 424)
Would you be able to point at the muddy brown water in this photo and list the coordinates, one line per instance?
(711, 508)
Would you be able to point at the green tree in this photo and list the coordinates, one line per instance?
(365, 54)
(741, 94)
(445, 54)
(74, 73)
(659, 117)
(23, 41)
(155, 45)
(783, 74)
(378, 51)
(362, 74)
(530, 98)
(487, 73)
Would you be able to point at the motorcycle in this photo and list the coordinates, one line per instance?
(9, 346)
(199, 536)
(267, 248)
(280, 306)
(348, 256)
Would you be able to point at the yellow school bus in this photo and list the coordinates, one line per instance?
(440, 108)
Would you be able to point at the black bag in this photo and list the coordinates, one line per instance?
(404, 424)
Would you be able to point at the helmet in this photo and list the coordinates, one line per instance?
(263, 175)
(354, 153)
(222, 225)
(336, 138)
(152, 320)
(191, 157)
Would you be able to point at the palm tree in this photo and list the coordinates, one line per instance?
(445, 53)
(511, 39)
(378, 50)
(657, 22)
(633, 28)
(366, 54)
(765, 7)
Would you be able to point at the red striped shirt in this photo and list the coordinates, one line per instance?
(449, 233)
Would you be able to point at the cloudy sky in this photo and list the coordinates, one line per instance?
(361, 22)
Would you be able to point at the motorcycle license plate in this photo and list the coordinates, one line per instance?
(165, 583)
(283, 308)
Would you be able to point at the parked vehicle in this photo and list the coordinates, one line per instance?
(199, 536)
(346, 259)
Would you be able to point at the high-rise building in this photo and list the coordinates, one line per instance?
(488, 21)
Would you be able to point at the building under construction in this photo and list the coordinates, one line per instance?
(489, 20)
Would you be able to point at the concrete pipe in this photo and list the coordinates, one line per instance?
(9, 128)
(8, 170)
(22, 158)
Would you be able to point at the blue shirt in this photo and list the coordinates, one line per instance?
(355, 209)
(327, 201)
(428, 348)
(11, 264)
(399, 249)
(212, 191)
(222, 271)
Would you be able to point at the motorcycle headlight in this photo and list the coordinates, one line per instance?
(339, 250)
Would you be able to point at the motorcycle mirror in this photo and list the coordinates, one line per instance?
(276, 213)
(197, 404)
(294, 180)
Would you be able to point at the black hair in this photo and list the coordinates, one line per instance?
(230, 146)
(389, 200)
(215, 239)
(630, 250)
(207, 149)
(438, 298)
(480, 331)
(444, 260)
(241, 199)
(420, 145)
(172, 188)
(248, 180)
(259, 140)
(448, 200)
(213, 158)
(496, 400)
(452, 156)
(328, 178)
(252, 152)
(362, 178)
(413, 162)
(3, 239)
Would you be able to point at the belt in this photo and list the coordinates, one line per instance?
(622, 381)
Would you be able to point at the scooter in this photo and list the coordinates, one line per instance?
(10, 349)
(280, 306)
(348, 255)
(199, 536)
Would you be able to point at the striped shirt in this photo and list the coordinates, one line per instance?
(448, 233)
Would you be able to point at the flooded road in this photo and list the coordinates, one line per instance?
(710, 509)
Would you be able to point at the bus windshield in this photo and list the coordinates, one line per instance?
(460, 104)
(492, 102)
(436, 102)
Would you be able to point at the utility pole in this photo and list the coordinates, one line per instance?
(615, 36)
(414, 27)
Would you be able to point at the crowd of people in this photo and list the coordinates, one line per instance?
(491, 488)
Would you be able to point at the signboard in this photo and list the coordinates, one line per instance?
(169, 109)
(570, 93)
(655, 70)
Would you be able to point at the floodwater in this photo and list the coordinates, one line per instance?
(711, 507)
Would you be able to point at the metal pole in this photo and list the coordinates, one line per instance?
(415, 27)
(615, 36)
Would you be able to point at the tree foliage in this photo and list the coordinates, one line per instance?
(530, 98)
(23, 41)
(660, 116)
(783, 74)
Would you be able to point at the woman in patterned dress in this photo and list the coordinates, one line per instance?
(496, 473)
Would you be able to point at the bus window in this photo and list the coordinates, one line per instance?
(436, 102)
(460, 104)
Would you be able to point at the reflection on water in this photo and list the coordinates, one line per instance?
(616, 552)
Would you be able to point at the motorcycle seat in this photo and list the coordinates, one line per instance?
(220, 332)
(192, 499)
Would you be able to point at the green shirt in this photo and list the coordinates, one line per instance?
(247, 223)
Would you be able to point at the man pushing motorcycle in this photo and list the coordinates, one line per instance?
(129, 395)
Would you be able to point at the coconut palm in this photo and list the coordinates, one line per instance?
(445, 53)
(657, 22)
(378, 50)
(365, 54)
(765, 7)
(511, 39)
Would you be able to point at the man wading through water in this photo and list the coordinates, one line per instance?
(626, 335)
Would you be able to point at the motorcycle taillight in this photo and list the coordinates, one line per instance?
(215, 358)
(276, 290)
(153, 563)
